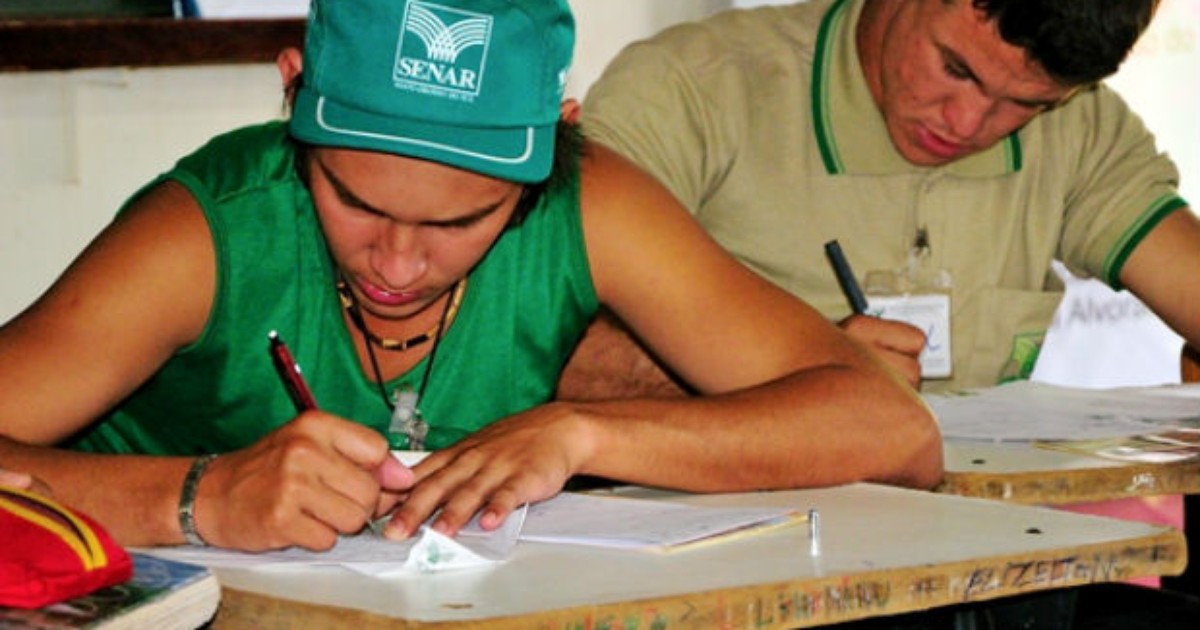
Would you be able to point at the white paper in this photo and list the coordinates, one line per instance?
(410, 458)
(609, 521)
(368, 553)
(437, 552)
(1027, 411)
(572, 518)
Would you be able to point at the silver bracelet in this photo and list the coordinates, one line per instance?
(187, 500)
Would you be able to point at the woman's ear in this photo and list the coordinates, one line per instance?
(290, 63)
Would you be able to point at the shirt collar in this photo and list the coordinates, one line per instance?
(850, 131)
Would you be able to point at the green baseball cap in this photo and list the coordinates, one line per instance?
(475, 84)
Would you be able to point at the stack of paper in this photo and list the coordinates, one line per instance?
(608, 521)
(569, 518)
(1028, 411)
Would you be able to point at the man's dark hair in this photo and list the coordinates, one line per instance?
(1076, 41)
(568, 148)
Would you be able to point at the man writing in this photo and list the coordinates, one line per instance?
(971, 138)
(965, 140)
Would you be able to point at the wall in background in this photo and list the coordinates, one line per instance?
(74, 145)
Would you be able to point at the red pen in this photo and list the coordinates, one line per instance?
(289, 371)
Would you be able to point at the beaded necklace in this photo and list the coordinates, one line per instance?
(407, 422)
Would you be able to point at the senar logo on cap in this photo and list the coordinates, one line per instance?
(473, 84)
(442, 51)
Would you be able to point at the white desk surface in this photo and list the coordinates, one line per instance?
(1026, 473)
(883, 551)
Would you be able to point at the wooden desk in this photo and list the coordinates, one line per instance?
(883, 551)
(1024, 473)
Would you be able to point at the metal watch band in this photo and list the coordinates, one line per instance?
(187, 500)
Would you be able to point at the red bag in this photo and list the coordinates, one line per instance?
(50, 553)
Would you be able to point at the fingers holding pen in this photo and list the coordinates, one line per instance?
(897, 344)
(303, 484)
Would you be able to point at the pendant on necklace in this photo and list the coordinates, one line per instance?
(407, 420)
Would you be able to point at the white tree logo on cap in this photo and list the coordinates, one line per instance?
(445, 42)
(433, 66)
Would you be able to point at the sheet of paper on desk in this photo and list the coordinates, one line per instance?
(608, 521)
(368, 553)
(1029, 411)
(569, 518)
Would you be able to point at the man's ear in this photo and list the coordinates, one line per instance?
(290, 63)
(569, 111)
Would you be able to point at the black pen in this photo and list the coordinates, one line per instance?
(289, 372)
(845, 277)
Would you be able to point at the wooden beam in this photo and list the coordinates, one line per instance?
(28, 45)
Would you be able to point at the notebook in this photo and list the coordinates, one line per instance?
(163, 594)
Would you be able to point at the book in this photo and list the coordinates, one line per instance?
(163, 594)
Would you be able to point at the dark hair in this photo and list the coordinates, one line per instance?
(568, 148)
(1075, 41)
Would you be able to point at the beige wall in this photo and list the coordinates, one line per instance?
(607, 25)
(74, 145)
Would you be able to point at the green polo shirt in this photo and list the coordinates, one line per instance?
(761, 123)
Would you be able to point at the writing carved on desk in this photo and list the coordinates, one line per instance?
(1142, 481)
(928, 588)
(832, 601)
(1068, 570)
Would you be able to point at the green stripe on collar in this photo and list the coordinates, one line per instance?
(820, 89)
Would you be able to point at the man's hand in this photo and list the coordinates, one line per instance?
(898, 344)
(303, 484)
(522, 459)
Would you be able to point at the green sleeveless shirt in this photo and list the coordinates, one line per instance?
(525, 308)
